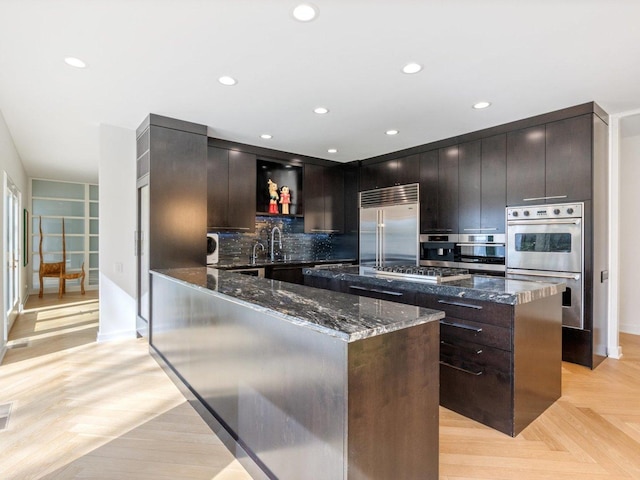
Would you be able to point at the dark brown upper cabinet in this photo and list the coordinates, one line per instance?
(231, 190)
(482, 188)
(439, 191)
(323, 199)
(551, 163)
(568, 160)
(526, 165)
(429, 191)
(470, 186)
(399, 171)
(494, 184)
(448, 190)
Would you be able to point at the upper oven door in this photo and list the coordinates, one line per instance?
(550, 244)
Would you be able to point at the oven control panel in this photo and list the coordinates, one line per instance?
(564, 210)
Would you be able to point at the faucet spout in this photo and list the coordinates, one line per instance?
(273, 242)
(254, 255)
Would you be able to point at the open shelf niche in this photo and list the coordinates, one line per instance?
(283, 174)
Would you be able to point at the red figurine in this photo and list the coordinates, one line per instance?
(273, 197)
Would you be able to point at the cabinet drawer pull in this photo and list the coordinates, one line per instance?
(477, 352)
(461, 325)
(375, 290)
(552, 197)
(462, 369)
(460, 304)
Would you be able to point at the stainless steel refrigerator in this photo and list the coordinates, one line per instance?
(389, 226)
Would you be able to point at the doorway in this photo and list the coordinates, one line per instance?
(11, 263)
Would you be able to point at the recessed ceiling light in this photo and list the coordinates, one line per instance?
(481, 105)
(412, 68)
(266, 136)
(321, 110)
(305, 12)
(226, 80)
(333, 150)
(392, 132)
(75, 62)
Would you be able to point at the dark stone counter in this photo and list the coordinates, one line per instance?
(343, 316)
(478, 287)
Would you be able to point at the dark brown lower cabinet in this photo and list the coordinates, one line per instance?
(499, 364)
(285, 274)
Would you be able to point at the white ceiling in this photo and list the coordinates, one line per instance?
(164, 57)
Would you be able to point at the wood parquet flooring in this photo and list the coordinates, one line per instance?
(91, 410)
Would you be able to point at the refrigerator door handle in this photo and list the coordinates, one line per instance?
(382, 259)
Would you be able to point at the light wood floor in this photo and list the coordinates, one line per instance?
(86, 410)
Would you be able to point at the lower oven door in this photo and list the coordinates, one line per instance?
(572, 297)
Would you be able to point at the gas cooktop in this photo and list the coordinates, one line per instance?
(421, 274)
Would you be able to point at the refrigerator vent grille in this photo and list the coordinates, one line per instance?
(398, 195)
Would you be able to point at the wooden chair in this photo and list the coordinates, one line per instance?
(59, 269)
(50, 269)
(64, 274)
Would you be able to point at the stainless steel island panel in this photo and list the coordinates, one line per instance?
(280, 389)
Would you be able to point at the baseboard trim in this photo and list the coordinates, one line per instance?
(633, 329)
(121, 335)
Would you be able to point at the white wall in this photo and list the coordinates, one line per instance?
(11, 164)
(629, 301)
(117, 181)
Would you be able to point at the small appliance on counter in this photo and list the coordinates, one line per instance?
(212, 248)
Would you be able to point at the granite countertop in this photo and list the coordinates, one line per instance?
(344, 316)
(237, 263)
(478, 287)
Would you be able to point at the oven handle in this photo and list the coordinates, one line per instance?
(570, 276)
(546, 221)
(480, 244)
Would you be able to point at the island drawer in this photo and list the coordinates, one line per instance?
(474, 359)
(455, 330)
(381, 292)
(475, 310)
(485, 397)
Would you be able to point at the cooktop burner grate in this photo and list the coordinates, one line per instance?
(422, 274)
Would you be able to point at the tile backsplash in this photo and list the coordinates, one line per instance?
(296, 245)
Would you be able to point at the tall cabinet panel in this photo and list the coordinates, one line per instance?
(172, 196)
(494, 183)
(525, 165)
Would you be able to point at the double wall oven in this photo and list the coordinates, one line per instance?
(545, 243)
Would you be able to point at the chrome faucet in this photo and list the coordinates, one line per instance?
(273, 241)
(254, 255)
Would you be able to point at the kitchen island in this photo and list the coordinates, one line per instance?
(305, 383)
(500, 343)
